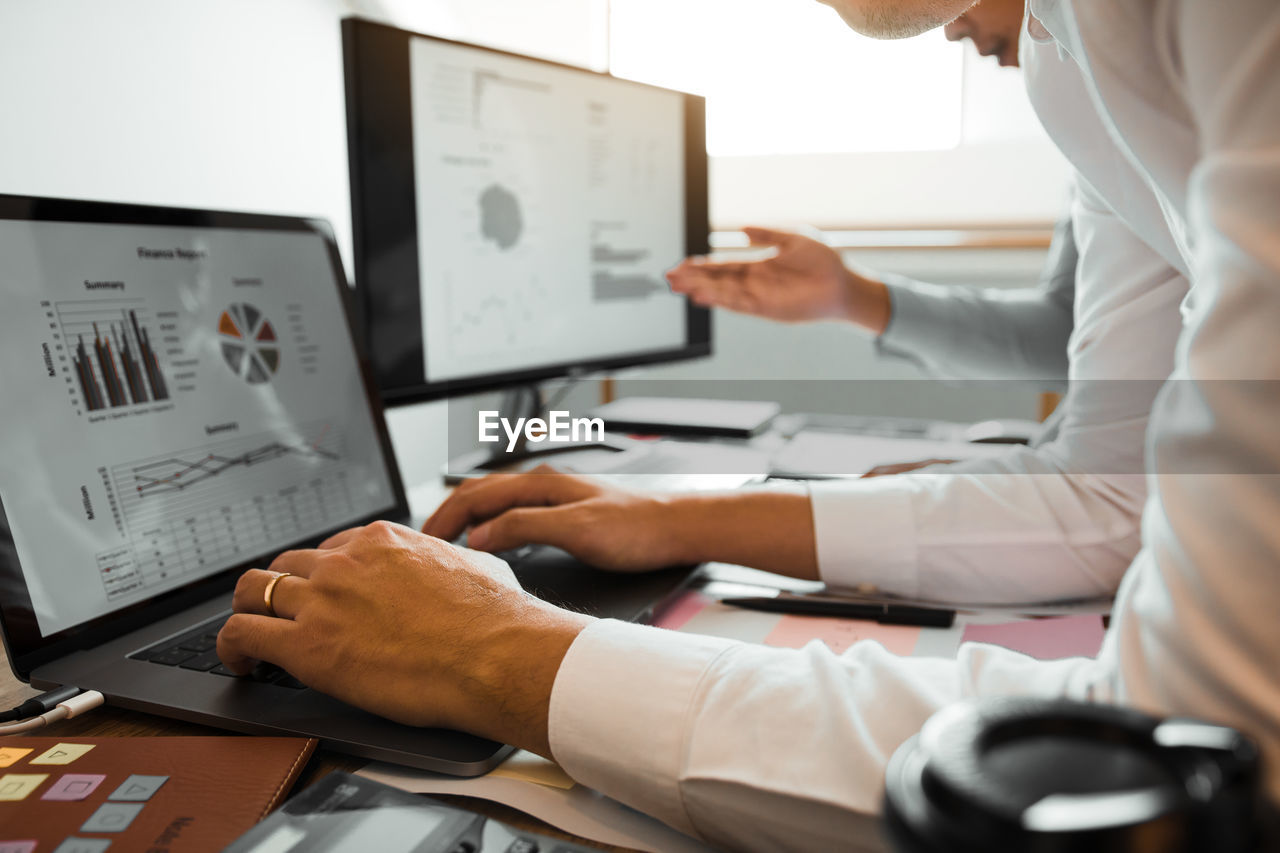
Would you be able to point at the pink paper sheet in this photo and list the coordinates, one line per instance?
(674, 616)
(1046, 639)
(794, 632)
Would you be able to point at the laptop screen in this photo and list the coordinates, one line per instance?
(178, 401)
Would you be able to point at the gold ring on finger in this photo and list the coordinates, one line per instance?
(268, 595)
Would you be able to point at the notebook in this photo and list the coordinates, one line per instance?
(145, 793)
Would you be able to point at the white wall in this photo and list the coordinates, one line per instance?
(235, 104)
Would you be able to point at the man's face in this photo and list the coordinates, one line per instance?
(896, 19)
(993, 26)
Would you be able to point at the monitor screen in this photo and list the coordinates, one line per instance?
(186, 399)
(514, 217)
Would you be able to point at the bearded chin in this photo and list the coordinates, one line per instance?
(899, 19)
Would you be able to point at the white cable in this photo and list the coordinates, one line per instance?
(58, 713)
(73, 707)
(82, 703)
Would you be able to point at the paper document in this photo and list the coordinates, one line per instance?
(578, 810)
(675, 466)
(531, 767)
(814, 454)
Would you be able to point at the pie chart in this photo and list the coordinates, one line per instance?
(249, 344)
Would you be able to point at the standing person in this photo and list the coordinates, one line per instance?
(1060, 519)
(1171, 111)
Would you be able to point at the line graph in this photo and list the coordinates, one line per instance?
(168, 474)
(208, 508)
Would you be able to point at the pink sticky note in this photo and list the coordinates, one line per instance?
(794, 632)
(73, 786)
(1046, 639)
(674, 616)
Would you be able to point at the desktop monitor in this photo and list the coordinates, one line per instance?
(513, 216)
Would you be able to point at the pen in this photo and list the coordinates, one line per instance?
(886, 614)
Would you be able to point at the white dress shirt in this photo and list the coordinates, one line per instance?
(769, 749)
(1060, 520)
(988, 333)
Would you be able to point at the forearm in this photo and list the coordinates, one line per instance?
(768, 530)
(1010, 529)
(510, 685)
(965, 333)
(960, 333)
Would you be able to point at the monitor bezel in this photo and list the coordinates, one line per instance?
(380, 153)
(27, 648)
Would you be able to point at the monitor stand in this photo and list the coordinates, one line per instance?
(525, 401)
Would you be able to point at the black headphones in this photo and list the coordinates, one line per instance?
(1060, 776)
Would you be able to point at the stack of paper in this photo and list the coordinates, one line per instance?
(814, 454)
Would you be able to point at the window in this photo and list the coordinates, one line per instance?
(808, 122)
(787, 77)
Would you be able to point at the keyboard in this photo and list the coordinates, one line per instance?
(197, 650)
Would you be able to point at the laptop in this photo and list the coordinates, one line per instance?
(185, 400)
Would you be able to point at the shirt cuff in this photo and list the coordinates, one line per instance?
(620, 719)
(915, 325)
(864, 533)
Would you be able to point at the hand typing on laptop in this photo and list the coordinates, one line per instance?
(423, 632)
(409, 627)
(625, 531)
(542, 506)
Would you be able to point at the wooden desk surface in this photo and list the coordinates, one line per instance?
(115, 722)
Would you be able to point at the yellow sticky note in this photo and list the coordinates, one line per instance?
(62, 753)
(16, 786)
(11, 755)
(530, 767)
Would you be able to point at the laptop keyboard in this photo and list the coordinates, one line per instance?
(197, 650)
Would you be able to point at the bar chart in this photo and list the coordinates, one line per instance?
(113, 356)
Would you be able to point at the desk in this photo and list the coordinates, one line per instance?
(116, 722)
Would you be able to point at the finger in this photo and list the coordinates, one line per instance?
(768, 236)
(681, 269)
(719, 291)
(340, 538)
(494, 495)
(286, 597)
(691, 264)
(247, 638)
(695, 273)
(525, 526)
(301, 562)
(732, 299)
(718, 271)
